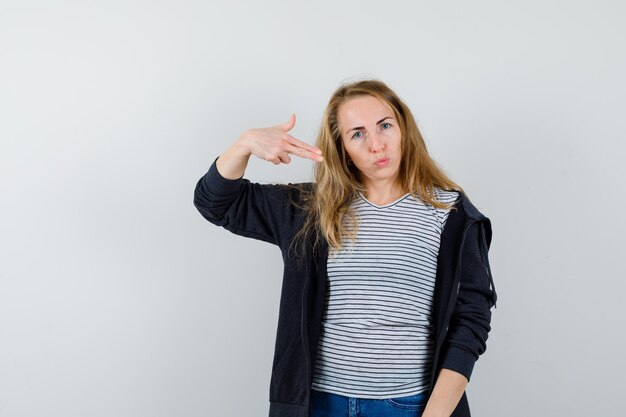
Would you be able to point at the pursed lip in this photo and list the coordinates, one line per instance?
(381, 160)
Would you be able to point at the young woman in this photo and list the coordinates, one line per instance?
(387, 290)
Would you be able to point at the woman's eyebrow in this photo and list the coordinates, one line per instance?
(363, 127)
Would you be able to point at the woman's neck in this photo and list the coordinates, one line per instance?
(381, 194)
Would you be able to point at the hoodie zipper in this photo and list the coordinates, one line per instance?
(450, 306)
(305, 336)
(457, 280)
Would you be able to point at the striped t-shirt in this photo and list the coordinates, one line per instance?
(376, 339)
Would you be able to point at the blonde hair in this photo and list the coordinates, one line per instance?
(337, 183)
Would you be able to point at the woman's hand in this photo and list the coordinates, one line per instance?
(447, 393)
(274, 144)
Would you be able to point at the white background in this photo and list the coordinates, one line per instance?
(118, 299)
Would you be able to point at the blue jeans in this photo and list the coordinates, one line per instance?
(324, 404)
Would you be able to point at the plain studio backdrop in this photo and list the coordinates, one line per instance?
(118, 299)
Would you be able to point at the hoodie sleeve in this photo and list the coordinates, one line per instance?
(470, 322)
(242, 207)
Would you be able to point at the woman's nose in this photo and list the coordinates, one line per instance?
(376, 143)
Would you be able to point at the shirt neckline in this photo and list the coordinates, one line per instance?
(384, 205)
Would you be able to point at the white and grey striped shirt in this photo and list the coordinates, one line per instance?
(376, 339)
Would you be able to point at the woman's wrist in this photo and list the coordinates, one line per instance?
(242, 147)
(233, 163)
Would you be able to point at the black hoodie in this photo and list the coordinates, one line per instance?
(463, 297)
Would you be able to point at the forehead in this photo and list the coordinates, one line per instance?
(361, 110)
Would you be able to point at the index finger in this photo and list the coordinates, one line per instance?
(304, 145)
(304, 153)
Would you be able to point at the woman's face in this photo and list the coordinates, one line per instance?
(372, 138)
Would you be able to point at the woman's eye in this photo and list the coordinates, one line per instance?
(386, 125)
(356, 135)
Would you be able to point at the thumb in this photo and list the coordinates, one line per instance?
(290, 124)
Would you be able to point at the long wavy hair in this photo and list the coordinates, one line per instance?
(327, 203)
